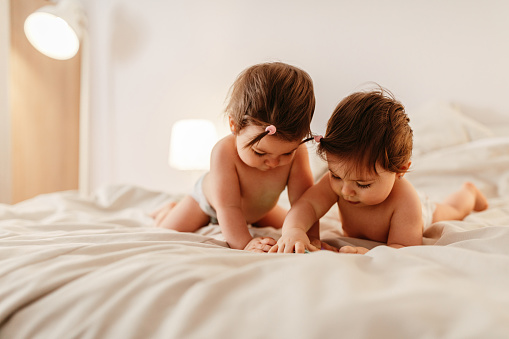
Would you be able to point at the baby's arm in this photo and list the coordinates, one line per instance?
(406, 223)
(233, 225)
(299, 181)
(313, 204)
(223, 191)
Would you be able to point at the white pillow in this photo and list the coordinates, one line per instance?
(440, 124)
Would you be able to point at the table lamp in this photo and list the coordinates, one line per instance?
(191, 142)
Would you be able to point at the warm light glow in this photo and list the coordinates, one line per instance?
(191, 143)
(51, 35)
(58, 30)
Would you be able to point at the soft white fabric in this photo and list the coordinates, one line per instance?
(440, 124)
(97, 269)
(75, 267)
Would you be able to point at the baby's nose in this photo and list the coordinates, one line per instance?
(272, 162)
(347, 190)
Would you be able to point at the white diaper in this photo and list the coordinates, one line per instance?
(428, 208)
(198, 195)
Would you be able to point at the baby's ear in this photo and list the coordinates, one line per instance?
(232, 124)
(404, 168)
(407, 166)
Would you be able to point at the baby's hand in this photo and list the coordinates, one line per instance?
(323, 245)
(260, 245)
(293, 241)
(353, 249)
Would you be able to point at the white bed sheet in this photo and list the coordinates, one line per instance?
(74, 267)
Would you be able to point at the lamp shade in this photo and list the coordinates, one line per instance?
(191, 142)
(56, 30)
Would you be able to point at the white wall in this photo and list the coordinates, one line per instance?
(5, 131)
(155, 62)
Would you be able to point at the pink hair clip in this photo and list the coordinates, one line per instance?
(271, 129)
(318, 138)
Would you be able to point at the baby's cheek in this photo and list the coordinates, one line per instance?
(372, 199)
(336, 188)
(284, 162)
(250, 161)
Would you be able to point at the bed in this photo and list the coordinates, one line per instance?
(95, 267)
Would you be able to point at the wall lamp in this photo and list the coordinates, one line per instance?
(59, 31)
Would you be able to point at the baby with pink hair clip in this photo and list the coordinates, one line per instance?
(269, 111)
(368, 145)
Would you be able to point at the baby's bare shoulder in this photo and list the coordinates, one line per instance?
(224, 150)
(225, 144)
(404, 195)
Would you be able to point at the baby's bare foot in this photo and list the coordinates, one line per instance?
(481, 203)
(163, 210)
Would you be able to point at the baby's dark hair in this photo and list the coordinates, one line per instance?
(276, 94)
(370, 128)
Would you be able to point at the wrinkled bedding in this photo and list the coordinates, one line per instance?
(95, 267)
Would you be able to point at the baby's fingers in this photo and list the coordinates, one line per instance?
(313, 248)
(268, 241)
(263, 244)
(348, 249)
(289, 249)
(300, 247)
(328, 247)
(258, 247)
(263, 247)
(353, 249)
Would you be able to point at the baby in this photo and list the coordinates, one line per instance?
(269, 111)
(368, 145)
